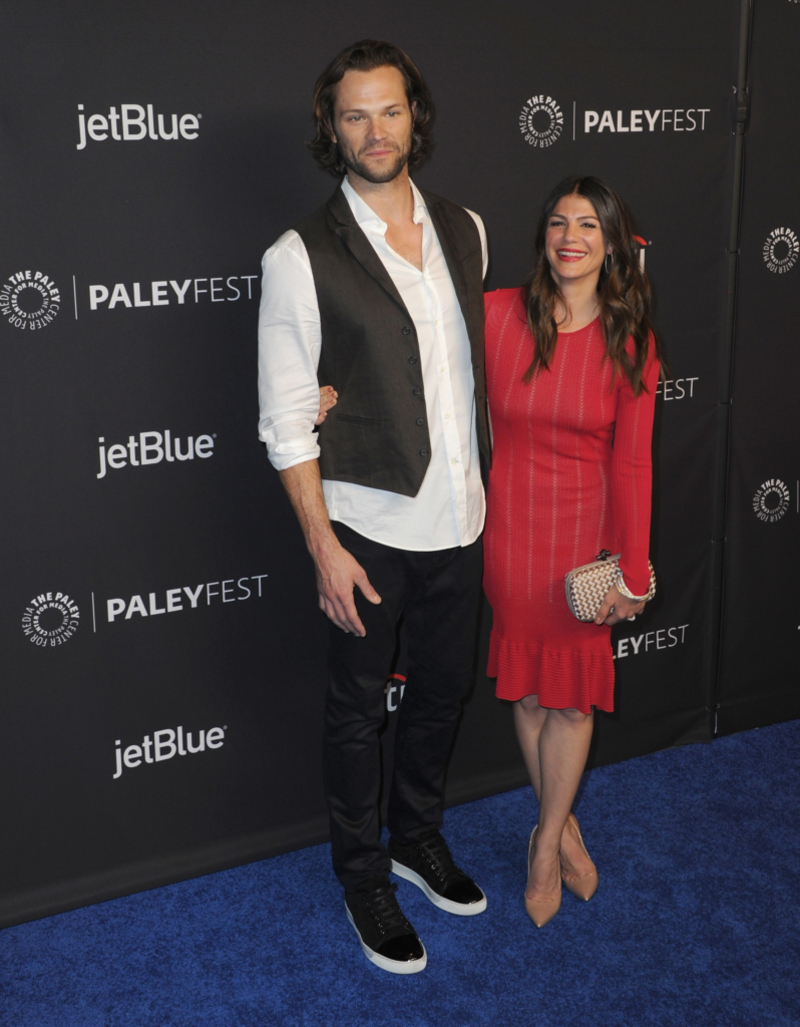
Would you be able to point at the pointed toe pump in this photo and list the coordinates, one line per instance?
(540, 910)
(582, 886)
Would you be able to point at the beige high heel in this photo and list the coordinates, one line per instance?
(582, 886)
(541, 911)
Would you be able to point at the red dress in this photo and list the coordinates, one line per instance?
(571, 475)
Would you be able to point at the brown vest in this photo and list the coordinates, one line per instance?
(377, 434)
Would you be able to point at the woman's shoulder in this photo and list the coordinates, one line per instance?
(500, 301)
(502, 297)
(505, 311)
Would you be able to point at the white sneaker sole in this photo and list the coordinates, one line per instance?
(457, 908)
(392, 966)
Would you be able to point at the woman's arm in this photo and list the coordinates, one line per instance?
(631, 490)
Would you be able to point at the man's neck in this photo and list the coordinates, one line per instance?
(393, 201)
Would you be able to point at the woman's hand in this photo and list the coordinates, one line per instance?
(616, 608)
(327, 399)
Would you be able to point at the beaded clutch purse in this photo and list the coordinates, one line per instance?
(587, 586)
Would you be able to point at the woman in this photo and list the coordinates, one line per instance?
(572, 367)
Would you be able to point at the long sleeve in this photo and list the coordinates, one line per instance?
(289, 342)
(631, 475)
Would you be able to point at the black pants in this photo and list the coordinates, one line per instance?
(438, 594)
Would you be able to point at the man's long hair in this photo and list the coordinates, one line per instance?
(367, 55)
(623, 289)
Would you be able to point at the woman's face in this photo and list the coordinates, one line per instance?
(574, 241)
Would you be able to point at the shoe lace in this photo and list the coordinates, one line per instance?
(386, 909)
(437, 855)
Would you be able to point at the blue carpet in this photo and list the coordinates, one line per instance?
(695, 922)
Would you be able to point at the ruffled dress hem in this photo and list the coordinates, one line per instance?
(565, 679)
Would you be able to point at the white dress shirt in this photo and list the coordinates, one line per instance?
(449, 508)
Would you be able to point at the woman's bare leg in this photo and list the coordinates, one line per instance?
(555, 745)
(529, 719)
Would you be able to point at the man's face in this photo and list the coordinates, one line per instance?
(372, 123)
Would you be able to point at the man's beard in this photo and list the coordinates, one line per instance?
(386, 174)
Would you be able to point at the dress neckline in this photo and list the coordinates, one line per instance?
(579, 330)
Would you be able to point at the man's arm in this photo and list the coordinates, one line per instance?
(337, 571)
(289, 347)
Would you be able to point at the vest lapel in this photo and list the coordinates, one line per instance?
(448, 244)
(346, 227)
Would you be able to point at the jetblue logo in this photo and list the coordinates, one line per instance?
(151, 447)
(132, 123)
(395, 687)
(164, 745)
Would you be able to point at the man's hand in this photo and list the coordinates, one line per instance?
(337, 575)
(617, 607)
(338, 572)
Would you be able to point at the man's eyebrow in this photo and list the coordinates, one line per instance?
(363, 110)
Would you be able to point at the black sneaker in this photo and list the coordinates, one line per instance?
(387, 938)
(429, 865)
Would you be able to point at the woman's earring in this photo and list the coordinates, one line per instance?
(605, 262)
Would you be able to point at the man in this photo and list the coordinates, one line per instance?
(379, 295)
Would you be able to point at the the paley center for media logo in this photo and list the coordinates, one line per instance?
(781, 250)
(542, 120)
(50, 619)
(772, 499)
(29, 300)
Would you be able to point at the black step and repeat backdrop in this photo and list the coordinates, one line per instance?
(759, 677)
(163, 657)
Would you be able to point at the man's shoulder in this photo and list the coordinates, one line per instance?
(440, 206)
(335, 208)
(288, 243)
(295, 240)
(435, 200)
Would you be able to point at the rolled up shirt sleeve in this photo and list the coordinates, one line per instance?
(289, 341)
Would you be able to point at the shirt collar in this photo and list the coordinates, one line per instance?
(367, 218)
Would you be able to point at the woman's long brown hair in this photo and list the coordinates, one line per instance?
(623, 289)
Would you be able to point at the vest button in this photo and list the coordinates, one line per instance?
(417, 392)
(406, 331)
(424, 452)
(412, 360)
(420, 420)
